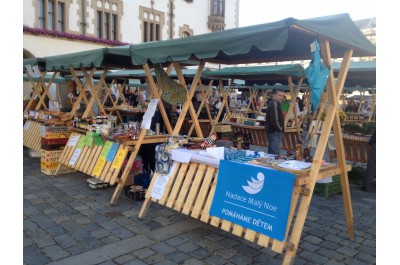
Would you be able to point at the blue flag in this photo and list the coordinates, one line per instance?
(317, 75)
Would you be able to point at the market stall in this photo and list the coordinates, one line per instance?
(44, 110)
(283, 40)
(260, 75)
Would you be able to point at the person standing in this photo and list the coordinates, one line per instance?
(274, 125)
(370, 174)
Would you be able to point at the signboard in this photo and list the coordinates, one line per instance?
(254, 197)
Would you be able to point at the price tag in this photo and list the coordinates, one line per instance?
(42, 131)
(75, 157)
(106, 149)
(98, 168)
(113, 151)
(26, 125)
(81, 142)
(36, 115)
(119, 159)
(73, 140)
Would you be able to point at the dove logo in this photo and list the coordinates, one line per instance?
(255, 185)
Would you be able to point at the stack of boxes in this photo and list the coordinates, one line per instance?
(53, 141)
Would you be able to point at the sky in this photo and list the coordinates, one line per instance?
(252, 12)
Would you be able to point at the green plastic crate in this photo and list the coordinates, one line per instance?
(328, 189)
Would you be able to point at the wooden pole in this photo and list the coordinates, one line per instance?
(332, 118)
(187, 103)
(155, 91)
(189, 94)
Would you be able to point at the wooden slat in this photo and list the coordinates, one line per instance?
(204, 190)
(78, 164)
(168, 187)
(205, 217)
(96, 155)
(181, 200)
(177, 185)
(194, 189)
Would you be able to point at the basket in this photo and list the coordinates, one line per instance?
(328, 189)
(223, 128)
(63, 170)
(53, 130)
(50, 156)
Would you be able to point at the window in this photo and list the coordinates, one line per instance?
(152, 22)
(51, 14)
(99, 24)
(41, 11)
(108, 13)
(60, 14)
(107, 25)
(114, 27)
(218, 7)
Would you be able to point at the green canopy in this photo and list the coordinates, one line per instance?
(261, 74)
(274, 86)
(362, 74)
(284, 40)
(99, 58)
(47, 78)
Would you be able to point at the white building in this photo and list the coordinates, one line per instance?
(53, 27)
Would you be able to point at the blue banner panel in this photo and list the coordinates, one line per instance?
(254, 197)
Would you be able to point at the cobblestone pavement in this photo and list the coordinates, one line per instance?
(66, 222)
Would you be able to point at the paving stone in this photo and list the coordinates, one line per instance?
(215, 260)
(144, 253)
(347, 251)
(28, 224)
(162, 220)
(193, 261)
(312, 239)
(108, 262)
(45, 241)
(365, 257)
(32, 255)
(122, 233)
(55, 252)
(313, 257)
(240, 259)
(110, 225)
(246, 250)
(178, 256)
(65, 241)
(199, 253)
(100, 233)
(175, 241)
(154, 259)
(55, 230)
(166, 262)
(135, 262)
(124, 259)
(163, 248)
(333, 262)
(122, 220)
(226, 253)
(78, 249)
(188, 247)
(27, 242)
(309, 247)
(110, 239)
(352, 261)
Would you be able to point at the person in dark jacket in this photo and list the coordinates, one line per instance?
(370, 175)
(274, 125)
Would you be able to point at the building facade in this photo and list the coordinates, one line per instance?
(53, 27)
